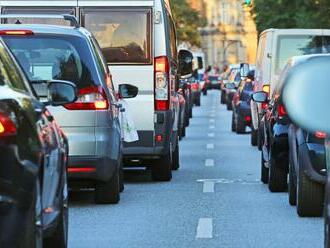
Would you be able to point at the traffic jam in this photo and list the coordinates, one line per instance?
(115, 133)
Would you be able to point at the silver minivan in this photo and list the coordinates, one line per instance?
(49, 52)
(138, 40)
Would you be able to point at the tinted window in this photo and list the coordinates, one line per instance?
(124, 35)
(46, 57)
(9, 73)
(172, 33)
(38, 10)
(289, 46)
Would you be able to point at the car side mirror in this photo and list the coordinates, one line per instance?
(185, 62)
(260, 96)
(127, 91)
(61, 92)
(230, 86)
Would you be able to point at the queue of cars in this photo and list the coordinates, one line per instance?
(63, 81)
(293, 150)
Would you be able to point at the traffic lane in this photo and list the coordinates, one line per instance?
(243, 212)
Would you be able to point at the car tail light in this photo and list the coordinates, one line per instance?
(320, 135)
(7, 126)
(81, 170)
(194, 86)
(248, 118)
(16, 32)
(162, 69)
(264, 106)
(90, 98)
(281, 111)
(266, 88)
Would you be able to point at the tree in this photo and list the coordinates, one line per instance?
(291, 14)
(187, 22)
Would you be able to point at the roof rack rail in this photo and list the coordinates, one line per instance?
(71, 18)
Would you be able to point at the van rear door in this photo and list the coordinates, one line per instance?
(125, 35)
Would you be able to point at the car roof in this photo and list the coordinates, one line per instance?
(48, 29)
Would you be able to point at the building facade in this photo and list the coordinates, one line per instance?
(230, 36)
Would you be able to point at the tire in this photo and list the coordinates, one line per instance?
(254, 137)
(198, 101)
(108, 192)
(277, 180)
(292, 188)
(259, 139)
(59, 238)
(264, 171)
(121, 178)
(326, 224)
(33, 237)
(205, 92)
(223, 97)
(176, 157)
(162, 168)
(190, 113)
(183, 134)
(233, 124)
(240, 126)
(310, 196)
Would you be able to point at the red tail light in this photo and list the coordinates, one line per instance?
(90, 98)
(264, 105)
(281, 111)
(320, 135)
(194, 86)
(16, 32)
(247, 118)
(7, 126)
(81, 170)
(161, 80)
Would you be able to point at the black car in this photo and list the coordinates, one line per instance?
(307, 170)
(275, 147)
(241, 117)
(33, 161)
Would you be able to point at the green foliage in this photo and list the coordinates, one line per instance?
(291, 14)
(187, 22)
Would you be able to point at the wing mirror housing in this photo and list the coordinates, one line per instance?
(230, 86)
(127, 91)
(260, 97)
(61, 92)
(185, 63)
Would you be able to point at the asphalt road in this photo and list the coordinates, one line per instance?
(214, 200)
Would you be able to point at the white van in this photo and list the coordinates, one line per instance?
(138, 41)
(276, 47)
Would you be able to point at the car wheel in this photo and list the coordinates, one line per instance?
(277, 180)
(310, 196)
(326, 224)
(190, 113)
(223, 97)
(233, 124)
(204, 92)
(176, 157)
(183, 132)
(292, 188)
(229, 106)
(240, 125)
(264, 171)
(162, 168)
(259, 138)
(121, 177)
(198, 101)
(254, 137)
(108, 192)
(33, 237)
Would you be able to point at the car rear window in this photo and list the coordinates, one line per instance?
(296, 45)
(48, 57)
(38, 10)
(124, 35)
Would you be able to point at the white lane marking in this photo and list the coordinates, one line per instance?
(211, 135)
(212, 127)
(208, 187)
(209, 162)
(210, 146)
(212, 121)
(205, 228)
(212, 115)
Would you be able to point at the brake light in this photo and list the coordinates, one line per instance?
(161, 67)
(320, 135)
(266, 88)
(81, 170)
(281, 111)
(16, 32)
(194, 86)
(90, 98)
(7, 126)
(264, 106)
(248, 118)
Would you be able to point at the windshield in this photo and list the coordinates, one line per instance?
(47, 57)
(296, 45)
(124, 35)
